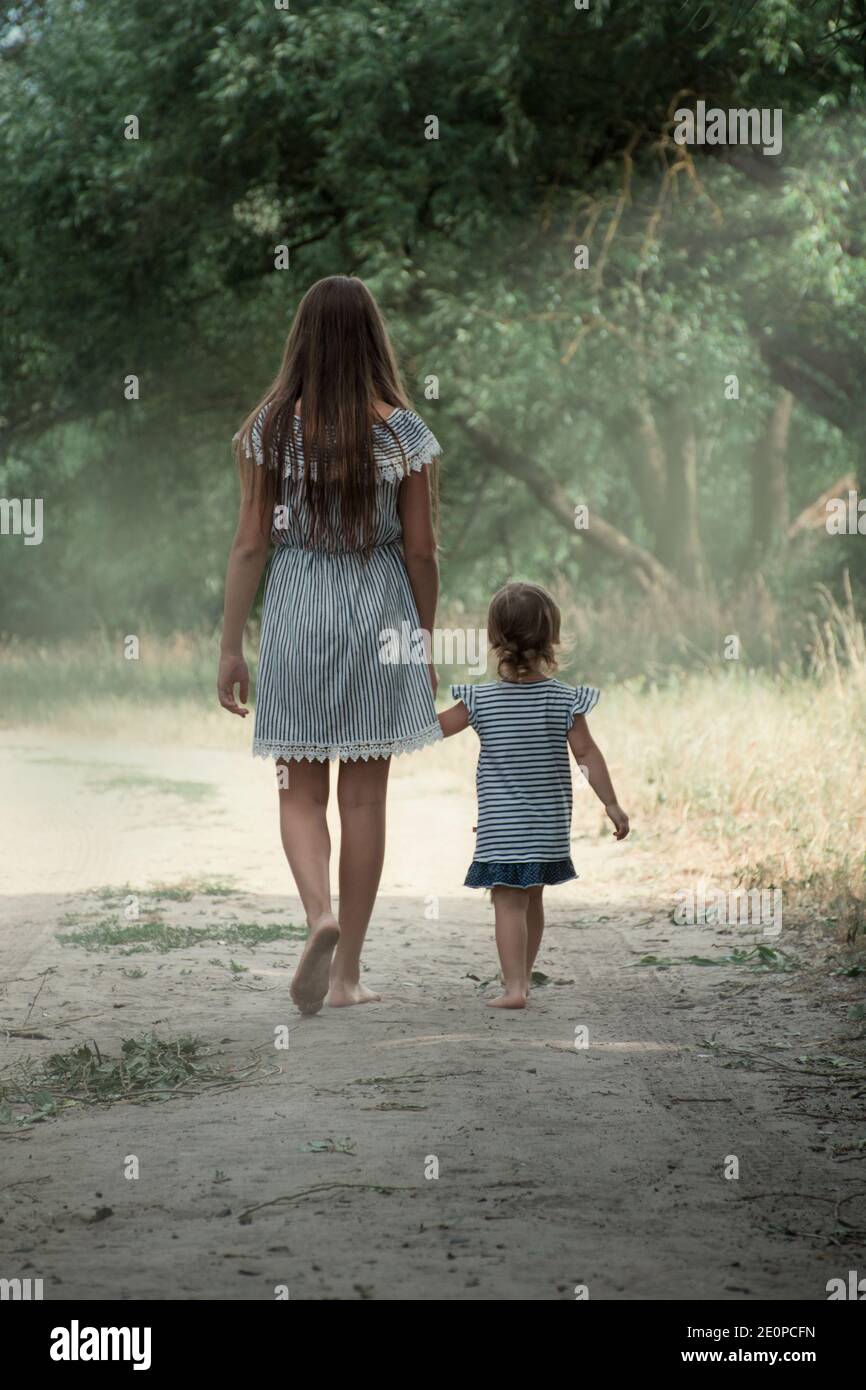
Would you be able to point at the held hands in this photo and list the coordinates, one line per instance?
(616, 814)
(233, 671)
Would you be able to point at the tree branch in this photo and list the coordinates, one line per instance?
(649, 572)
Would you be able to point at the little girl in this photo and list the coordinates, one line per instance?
(526, 723)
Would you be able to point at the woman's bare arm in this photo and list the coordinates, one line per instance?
(420, 550)
(247, 559)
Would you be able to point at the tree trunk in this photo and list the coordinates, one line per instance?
(682, 550)
(648, 466)
(770, 481)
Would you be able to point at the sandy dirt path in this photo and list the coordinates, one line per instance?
(558, 1166)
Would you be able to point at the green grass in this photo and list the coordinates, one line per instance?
(174, 892)
(146, 935)
(759, 958)
(119, 777)
(162, 786)
(147, 1069)
(38, 679)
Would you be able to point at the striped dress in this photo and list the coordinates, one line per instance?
(523, 779)
(342, 670)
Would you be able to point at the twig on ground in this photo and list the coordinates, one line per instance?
(841, 1203)
(45, 974)
(699, 1100)
(321, 1187)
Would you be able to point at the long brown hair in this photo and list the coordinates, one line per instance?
(339, 358)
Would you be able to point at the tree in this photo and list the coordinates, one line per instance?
(155, 258)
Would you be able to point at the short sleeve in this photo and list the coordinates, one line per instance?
(466, 693)
(405, 444)
(255, 439)
(585, 698)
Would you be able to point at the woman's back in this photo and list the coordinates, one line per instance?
(402, 444)
(326, 687)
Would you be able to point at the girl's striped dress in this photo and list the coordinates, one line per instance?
(523, 779)
(342, 670)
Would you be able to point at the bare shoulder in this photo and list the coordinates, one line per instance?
(382, 409)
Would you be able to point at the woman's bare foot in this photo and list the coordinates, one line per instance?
(511, 999)
(505, 991)
(310, 983)
(343, 993)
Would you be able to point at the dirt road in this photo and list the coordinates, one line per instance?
(426, 1147)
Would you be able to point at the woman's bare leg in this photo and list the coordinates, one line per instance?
(510, 906)
(307, 843)
(361, 792)
(534, 925)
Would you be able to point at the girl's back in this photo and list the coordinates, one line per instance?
(524, 770)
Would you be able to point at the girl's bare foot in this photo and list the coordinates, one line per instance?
(342, 993)
(511, 999)
(310, 983)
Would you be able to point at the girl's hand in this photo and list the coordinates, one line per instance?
(619, 818)
(233, 671)
(434, 677)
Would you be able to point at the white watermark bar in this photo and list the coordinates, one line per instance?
(408, 645)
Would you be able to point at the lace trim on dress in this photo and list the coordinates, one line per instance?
(296, 752)
(393, 472)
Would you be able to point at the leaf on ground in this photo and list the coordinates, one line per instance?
(329, 1146)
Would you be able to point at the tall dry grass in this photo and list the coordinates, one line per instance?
(758, 780)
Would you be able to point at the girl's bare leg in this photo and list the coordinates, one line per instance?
(510, 906)
(307, 843)
(361, 793)
(534, 925)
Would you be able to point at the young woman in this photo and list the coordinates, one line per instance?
(335, 474)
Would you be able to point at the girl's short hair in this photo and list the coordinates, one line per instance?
(523, 629)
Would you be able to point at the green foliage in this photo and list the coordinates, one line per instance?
(148, 1068)
(305, 127)
(758, 958)
(148, 936)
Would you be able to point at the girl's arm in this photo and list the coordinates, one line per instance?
(420, 551)
(454, 720)
(247, 559)
(589, 757)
